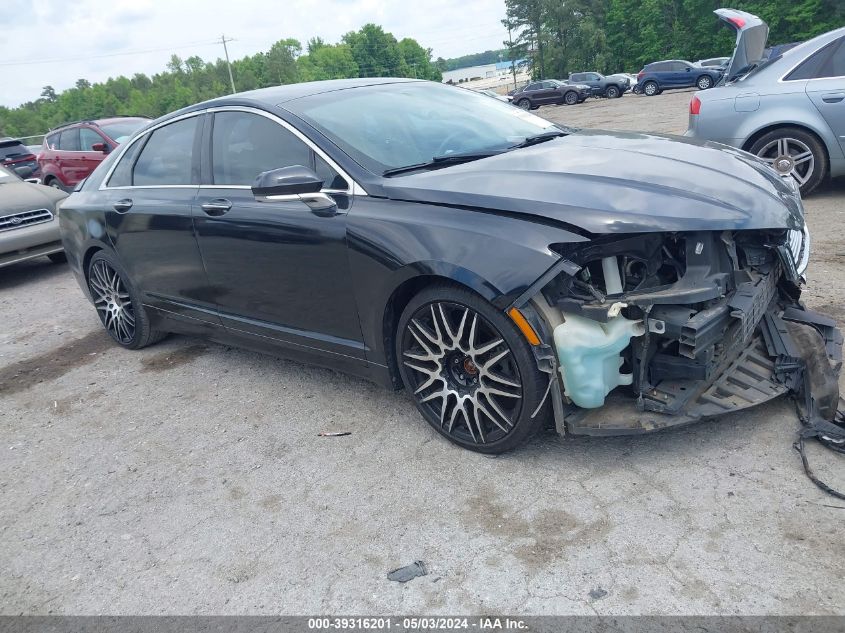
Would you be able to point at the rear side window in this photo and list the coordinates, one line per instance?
(122, 174)
(577, 77)
(244, 145)
(168, 156)
(69, 141)
(828, 62)
(532, 87)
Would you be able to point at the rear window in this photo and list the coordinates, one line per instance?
(13, 150)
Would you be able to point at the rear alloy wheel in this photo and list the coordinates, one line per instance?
(704, 82)
(570, 98)
(650, 89)
(794, 152)
(471, 372)
(525, 104)
(612, 92)
(118, 304)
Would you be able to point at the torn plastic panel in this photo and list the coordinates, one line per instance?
(706, 318)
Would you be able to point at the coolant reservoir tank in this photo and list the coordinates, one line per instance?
(589, 355)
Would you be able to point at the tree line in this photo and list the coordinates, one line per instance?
(565, 36)
(368, 52)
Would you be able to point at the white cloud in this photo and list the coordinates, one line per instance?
(87, 38)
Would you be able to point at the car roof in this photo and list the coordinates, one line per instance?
(288, 92)
(98, 122)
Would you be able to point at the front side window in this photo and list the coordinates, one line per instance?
(167, 158)
(389, 126)
(244, 145)
(87, 138)
(122, 130)
(69, 141)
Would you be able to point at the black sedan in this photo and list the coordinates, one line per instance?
(550, 92)
(500, 268)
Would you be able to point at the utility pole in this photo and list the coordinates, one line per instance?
(510, 54)
(228, 63)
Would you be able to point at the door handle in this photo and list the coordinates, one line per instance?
(216, 207)
(836, 97)
(122, 206)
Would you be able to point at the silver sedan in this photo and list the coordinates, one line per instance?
(788, 110)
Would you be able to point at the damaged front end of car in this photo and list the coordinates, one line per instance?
(653, 330)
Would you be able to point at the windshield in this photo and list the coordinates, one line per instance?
(388, 126)
(122, 130)
(7, 176)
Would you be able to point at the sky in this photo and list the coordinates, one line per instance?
(56, 42)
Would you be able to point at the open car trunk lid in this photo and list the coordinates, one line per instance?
(751, 37)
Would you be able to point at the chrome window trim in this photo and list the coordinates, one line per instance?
(354, 188)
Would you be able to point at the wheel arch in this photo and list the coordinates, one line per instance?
(426, 274)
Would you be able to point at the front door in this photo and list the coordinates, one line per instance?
(277, 270)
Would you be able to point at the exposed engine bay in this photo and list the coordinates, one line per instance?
(661, 329)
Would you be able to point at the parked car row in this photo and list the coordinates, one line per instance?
(550, 92)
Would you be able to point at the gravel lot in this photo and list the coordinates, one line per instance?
(189, 478)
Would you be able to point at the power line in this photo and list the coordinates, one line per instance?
(119, 54)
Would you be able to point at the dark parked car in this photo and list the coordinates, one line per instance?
(550, 92)
(71, 152)
(14, 154)
(672, 74)
(497, 266)
(611, 87)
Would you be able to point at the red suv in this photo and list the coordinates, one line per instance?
(72, 151)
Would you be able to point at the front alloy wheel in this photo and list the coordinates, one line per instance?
(472, 382)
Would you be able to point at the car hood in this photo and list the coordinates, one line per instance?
(751, 37)
(26, 196)
(617, 182)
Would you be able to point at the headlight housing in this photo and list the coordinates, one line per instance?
(799, 246)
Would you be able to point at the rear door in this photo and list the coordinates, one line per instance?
(149, 197)
(278, 271)
(824, 73)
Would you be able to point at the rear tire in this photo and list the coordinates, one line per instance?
(470, 371)
(793, 145)
(570, 98)
(118, 303)
(55, 183)
(650, 89)
(612, 92)
(525, 104)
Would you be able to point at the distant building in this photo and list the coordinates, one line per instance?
(485, 71)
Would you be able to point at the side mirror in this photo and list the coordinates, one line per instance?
(689, 69)
(293, 183)
(24, 172)
(100, 147)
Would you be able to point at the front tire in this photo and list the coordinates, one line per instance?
(118, 303)
(705, 82)
(793, 152)
(650, 89)
(470, 371)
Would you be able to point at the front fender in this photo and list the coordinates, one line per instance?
(391, 243)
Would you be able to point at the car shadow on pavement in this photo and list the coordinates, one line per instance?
(32, 271)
